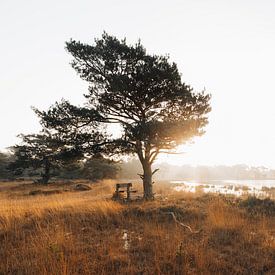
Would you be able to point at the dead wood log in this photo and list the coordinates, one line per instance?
(182, 224)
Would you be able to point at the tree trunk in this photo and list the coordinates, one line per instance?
(46, 175)
(147, 181)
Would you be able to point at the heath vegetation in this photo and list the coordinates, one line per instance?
(72, 232)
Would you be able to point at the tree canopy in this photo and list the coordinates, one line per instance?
(142, 93)
(5, 159)
(43, 152)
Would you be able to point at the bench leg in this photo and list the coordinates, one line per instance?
(117, 191)
(128, 193)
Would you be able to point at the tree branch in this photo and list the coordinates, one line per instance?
(155, 171)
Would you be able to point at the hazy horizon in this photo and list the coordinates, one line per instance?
(225, 47)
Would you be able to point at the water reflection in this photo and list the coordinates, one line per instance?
(229, 187)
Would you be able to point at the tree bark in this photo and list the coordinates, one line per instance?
(46, 175)
(147, 181)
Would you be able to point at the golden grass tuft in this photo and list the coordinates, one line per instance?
(222, 215)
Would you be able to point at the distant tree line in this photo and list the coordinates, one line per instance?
(5, 160)
(130, 169)
(97, 168)
(13, 166)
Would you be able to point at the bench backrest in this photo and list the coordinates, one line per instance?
(123, 185)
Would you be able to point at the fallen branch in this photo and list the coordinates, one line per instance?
(182, 224)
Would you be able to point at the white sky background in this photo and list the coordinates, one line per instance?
(226, 46)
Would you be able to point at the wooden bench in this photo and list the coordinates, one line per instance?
(128, 186)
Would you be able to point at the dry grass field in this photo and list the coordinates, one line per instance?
(68, 232)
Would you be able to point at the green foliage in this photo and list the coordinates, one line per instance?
(5, 160)
(99, 168)
(144, 93)
(77, 127)
(44, 152)
(95, 168)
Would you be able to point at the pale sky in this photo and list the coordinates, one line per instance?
(224, 46)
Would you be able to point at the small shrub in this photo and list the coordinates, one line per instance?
(224, 236)
(255, 206)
